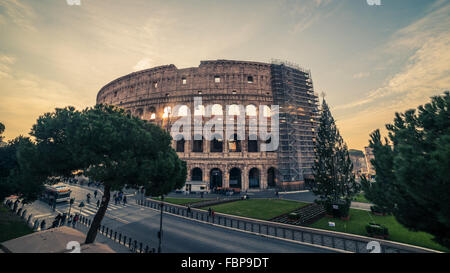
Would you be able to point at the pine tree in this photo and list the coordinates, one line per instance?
(334, 179)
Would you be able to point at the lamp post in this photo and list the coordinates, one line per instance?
(160, 224)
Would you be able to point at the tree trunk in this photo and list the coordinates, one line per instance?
(92, 233)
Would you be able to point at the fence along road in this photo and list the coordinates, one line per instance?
(336, 241)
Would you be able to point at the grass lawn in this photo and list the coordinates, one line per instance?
(181, 201)
(360, 198)
(360, 218)
(263, 209)
(11, 226)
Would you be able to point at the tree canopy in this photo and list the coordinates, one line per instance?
(413, 168)
(111, 147)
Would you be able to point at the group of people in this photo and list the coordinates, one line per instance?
(120, 197)
(60, 220)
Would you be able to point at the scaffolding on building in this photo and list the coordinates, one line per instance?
(293, 91)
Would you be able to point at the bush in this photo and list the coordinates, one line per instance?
(377, 230)
(378, 210)
(339, 209)
(293, 216)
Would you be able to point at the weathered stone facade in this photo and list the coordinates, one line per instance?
(147, 93)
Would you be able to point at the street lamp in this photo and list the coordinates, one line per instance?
(160, 224)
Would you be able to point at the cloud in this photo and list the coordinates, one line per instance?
(17, 12)
(361, 75)
(5, 65)
(426, 71)
(143, 64)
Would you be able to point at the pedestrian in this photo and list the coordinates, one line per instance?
(124, 200)
(75, 220)
(209, 211)
(95, 194)
(43, 224)
(189, 209)
(98, 203)
(69, 221)
(88, 198)
(213, 213)
(63, 219)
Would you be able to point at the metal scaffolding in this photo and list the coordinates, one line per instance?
(293, 91)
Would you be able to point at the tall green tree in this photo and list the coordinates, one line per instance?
(382, 192)
(334, 179)
(2, 129)
(17, 176)
(414, 168)
(110, 147)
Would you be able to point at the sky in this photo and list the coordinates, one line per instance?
(369, 61)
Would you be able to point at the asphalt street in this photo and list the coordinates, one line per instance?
(179, 235)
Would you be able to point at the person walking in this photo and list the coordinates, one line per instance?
(43, 224)
(213, 213)
(209, 212)
(88, 198)
(98, 203)
(124, 200)
(95, 194)
(75, 220)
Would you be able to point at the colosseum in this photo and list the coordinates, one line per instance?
(236, 164)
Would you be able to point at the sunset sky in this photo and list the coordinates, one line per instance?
(370, 61)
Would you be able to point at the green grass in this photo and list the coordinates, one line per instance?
(360, 198)
(11, 225)
(360, 218)
(263, 209)
(181, 201)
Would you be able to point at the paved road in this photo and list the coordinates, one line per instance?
(180, 235)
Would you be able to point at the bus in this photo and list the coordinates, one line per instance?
(58, 193)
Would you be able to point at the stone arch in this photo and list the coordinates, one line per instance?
(235, 180)
(254, 178)
(196, 174)
(215, 178)
(180, 143)
(271, 177)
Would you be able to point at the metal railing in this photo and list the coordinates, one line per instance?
(337, 241)
(127, 241)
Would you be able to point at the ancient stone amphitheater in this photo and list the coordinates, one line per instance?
(252, 87)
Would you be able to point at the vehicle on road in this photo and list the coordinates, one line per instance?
(56, 193)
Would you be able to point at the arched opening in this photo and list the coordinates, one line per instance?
(182, 111)
(167, 112)
(197, 146)
(216, 110)
(215, 179)
(180, 144)
(250, 110)
(233, 110)
(235, 178)
(216, 144)
(271, 182)
(253, 178)
(151, 113)
(234, 145)
(139, 112)
(196, 174)
(252, 144)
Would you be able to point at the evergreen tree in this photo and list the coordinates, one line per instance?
(334, 179)
(413, 168)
